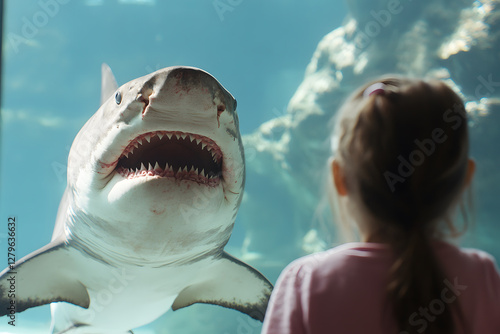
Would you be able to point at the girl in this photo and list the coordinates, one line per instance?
(400, 167)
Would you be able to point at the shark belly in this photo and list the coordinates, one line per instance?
(122, 298)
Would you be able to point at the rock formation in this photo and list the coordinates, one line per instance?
(455, 41)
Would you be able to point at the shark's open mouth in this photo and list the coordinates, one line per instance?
(175, 154)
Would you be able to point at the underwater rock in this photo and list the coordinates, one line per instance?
(455, 41)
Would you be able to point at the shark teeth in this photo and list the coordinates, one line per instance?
(167, 164)
(206, 143)
(182, 173)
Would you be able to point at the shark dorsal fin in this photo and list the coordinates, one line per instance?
(108, 83)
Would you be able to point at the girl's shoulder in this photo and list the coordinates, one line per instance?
(341, 258)
(374, 257)
(467, 260)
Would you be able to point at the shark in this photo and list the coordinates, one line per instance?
(155, 179)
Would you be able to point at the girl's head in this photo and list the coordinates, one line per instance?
(401, 153)
(401, 162)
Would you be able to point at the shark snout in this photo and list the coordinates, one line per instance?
(178, 89)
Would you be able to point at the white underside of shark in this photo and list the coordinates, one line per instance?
(155, 179)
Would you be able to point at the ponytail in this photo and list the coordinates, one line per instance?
(415, 281)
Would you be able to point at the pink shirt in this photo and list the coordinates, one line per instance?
(342, 290)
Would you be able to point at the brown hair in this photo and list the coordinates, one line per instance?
(404, 154)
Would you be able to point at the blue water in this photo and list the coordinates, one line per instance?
(258, 50)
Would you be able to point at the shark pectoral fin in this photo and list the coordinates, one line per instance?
(108, 83)
(230, 283)
(42, 277)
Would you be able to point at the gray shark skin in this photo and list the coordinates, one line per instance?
(155, 180)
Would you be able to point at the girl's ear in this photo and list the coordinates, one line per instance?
(471, 168)
(338, 178)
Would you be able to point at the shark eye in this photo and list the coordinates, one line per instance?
(118, 97)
